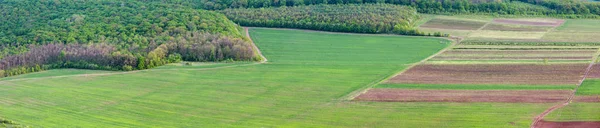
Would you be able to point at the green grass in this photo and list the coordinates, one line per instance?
(580, 25)
(589, 87)
(477, 87)
(55, 72)
(300, 86)
(576, 112)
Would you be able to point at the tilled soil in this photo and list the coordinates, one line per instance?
(525, 74)
(595, 72)
(587, 98)
(503, 96)
(510, 58)
(574, 124)
(453, 24)
(521, 52)
(534, 23)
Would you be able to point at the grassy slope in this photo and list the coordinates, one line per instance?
(56, 72)
(308, 72)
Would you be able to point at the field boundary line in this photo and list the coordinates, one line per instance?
(263, 58)
(540, 117)
(118, 73)
(364, 89)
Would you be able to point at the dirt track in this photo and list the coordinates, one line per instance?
(503, 96)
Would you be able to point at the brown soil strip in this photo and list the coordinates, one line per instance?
(575, 124)
(595, 72)
(503, 96)
(555, 23)
(509, 58)
(527, 74)
(587, 99)
(453, 24)
(520, 52)
(500, 27)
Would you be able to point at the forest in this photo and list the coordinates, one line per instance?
(556, 8)
(366, 18)
(112, 35)
(140, 34)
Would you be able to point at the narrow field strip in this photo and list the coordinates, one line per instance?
(119, 73)
(532, 22)
(454, 24)
(527, 74)
(502, 96)
(589, 99)
(570, 124)
(476, 87)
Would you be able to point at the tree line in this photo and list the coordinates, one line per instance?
(113, 35)
(559, 8)
(194, 46)
(364, 18)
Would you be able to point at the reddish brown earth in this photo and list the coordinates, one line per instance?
(499, 27)
(519, 52)
(575, 124)
(587, 99)
(554, 23)
(509, 58)
(595, 72)
(527, 74)
(504, 96)
(453, 24)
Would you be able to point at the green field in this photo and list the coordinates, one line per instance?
(57, 72)
(589, 87)
(301, 85)
(576, 112)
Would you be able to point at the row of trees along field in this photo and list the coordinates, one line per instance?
(569, 6)
(500, 7)
(357, 18)
(112, 35)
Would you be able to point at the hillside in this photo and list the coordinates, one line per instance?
(130, 35)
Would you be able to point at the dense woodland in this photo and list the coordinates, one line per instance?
(140, 34)
(366, 18)
(112, 35)
(557, 8)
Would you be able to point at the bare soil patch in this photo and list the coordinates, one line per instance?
(520, 52)
(506, 27)
(503, 96)
(587, 99)
(510, 58)
(547, 22)
(525, 74)
(595, 72)
(574, 124)
(453, 24)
